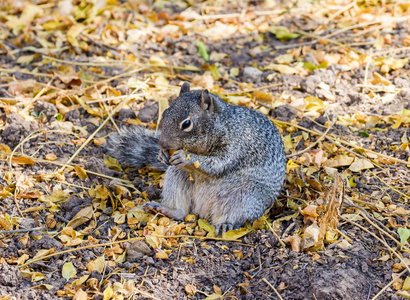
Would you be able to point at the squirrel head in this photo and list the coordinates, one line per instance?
(189, 121)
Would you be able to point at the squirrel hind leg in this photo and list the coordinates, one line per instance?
(174, 213)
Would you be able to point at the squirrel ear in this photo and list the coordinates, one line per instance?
(184, 88)
(206, 101)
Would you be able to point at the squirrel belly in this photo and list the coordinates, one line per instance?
(229, 161)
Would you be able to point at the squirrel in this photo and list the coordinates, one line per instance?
(223, 162)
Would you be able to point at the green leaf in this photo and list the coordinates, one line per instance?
(364, 133)
(404, 235)
(59, 117)
(69, 270)
(216, 75)
(282, 33)
(205, 225)
(202, 50)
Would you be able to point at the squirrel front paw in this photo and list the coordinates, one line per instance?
(180, 158)
(163, 156)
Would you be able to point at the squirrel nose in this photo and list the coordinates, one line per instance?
(164, 143)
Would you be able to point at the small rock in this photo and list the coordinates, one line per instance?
(311, 59)
(48, 109)
(138, 250)
(98, 165)
(125, 114)
(310, 83)
(73, 115)
(149, 113)
(252, 73)
(284, 113)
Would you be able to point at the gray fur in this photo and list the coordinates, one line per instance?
(235, 156)
(136, 147)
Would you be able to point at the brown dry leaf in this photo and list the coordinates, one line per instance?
(97, 265)
(310, 213)
(159, 253)
(81, 217)
(99, 141)
(294, 241)
(34, 276)
(311, 237)
(205, 81)
(190, 289)
(50, 156)
(360, 164)
(23, 160)
(378, 78)
(339, 161)
(80, 294)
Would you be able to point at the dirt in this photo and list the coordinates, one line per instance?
(240, 269)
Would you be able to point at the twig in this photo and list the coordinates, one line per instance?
(273, 288)
(311, 145)
(22, 230)
(96, 131)
(274, 233)
(379, 239)
(389, 284)
(318, 37)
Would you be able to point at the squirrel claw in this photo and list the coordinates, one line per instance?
(163, 157)
(179, 158)
(156, 207)
(223, 228)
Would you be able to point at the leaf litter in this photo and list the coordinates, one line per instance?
(333, 75)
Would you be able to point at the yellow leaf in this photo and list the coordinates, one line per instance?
(205, 225)
(153, 241)
(81, 173)
(108, 293)
(287, 141)
(81, 217)
(22, 160)
(25, 59)
(236, 234)
(78, 282)
(283, 69)
(112, 163)
(406, 284)
(73, 33)
(159, 253)
(259, 223)
(68, 271)
(97, 265)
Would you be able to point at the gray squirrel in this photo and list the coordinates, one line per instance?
(223, 162)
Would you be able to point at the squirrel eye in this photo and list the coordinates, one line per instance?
(186, 125)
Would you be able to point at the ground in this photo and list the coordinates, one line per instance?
(332, 75)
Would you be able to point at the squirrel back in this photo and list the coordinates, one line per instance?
(229, 162)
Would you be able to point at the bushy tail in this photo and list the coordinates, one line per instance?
(136, 147)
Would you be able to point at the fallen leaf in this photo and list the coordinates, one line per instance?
(68, 271)
(360, 164)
